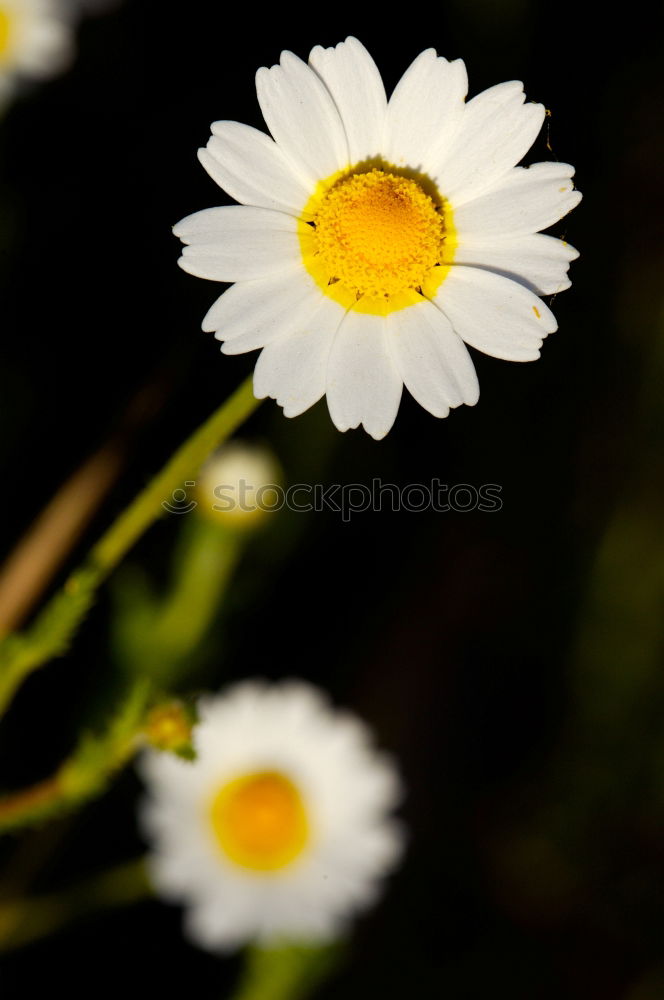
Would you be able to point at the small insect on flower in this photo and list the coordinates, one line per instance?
(376, 238)
(280, 830)
(35, 41)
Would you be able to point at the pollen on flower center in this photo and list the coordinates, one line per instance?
(5, 32)
(378, 233)
(260, 821)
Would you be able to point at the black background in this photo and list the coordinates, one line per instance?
(531, 873)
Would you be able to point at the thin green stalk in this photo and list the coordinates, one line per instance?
(202, 579)
(54, 628)
(292, 972)
(23, 921)
(87, 772)
(186, 462)
(160, 638)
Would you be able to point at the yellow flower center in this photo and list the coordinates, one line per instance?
(5, 32)
(260, 821)
(378, 238)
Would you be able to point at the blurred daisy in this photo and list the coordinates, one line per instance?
(374, 238)
(239, 485)
(35, 41)
(280, 829)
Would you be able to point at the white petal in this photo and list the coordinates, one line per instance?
(363, 385)
(237, 242)
(497, 129)
(221, 924)
(250, 314)
(302, 117)
(433, 362)
(495, 315)
(250, 166)
(539, 262)
(7, 86)
(48, 48)
(425, 111)
(352, 77)
(525, 200)
(293, 369)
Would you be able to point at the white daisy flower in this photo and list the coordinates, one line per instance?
(375, 237)
(238, 485)
(35, 41)
(280, 829)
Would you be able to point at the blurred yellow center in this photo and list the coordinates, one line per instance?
(376, 239)
(5, 31)
(260, 821)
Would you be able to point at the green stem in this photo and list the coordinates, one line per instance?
(54, 628)
(291, 972)
(186, 462)
(161, 638)
(23, 921)
(87, 772)
(198, 589)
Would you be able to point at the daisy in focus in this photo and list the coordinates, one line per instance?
(35, 41)
(280, 829)
(374, 239)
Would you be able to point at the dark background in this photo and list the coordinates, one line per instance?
(510, 660)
